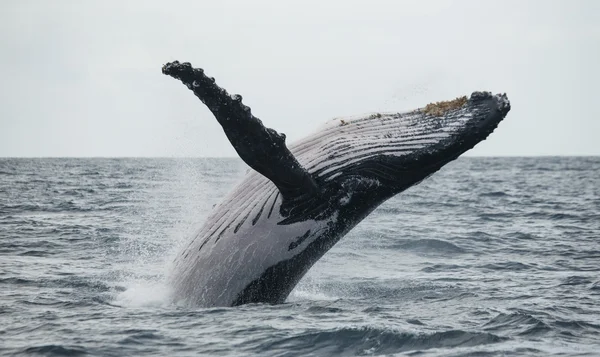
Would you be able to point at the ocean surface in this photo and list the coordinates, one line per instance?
(488, 257)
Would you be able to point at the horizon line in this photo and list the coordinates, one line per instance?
(237, 157)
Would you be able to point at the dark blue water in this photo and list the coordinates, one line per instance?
(489, 257)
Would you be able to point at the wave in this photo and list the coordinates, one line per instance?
(15, 281)
(374, 341)
(71, 282)
(444, 268)
(517, 324)
(140, 337)
(64, 206)
(370, 290)
(575, 280)
(553, 216)
(522, 236)
(324, 310)
(512, 266)
(571, 325)
(34, 253)
(526, 325)
(55, 350)
(494, 194)
(430, 246)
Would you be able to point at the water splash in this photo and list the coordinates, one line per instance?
(144, 294)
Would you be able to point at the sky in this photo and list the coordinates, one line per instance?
(83, 78)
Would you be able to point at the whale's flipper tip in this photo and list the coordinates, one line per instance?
(260, 147)
(174, 68)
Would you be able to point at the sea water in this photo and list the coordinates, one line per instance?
(488, 257)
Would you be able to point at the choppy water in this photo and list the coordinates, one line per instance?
(489, 257)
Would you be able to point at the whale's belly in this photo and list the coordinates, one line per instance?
(240, 240)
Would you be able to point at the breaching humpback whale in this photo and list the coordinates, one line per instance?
(297, 202)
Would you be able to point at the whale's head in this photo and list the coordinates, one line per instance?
(484, 111)
(482, 107)
(397, 150)
(458, 125)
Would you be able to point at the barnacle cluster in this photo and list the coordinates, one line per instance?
(440, 108)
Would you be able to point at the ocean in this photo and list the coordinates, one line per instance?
(488, 257)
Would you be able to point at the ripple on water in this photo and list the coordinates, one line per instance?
(575, 280)
(508, 266)
(373, 341)
(430, 246)
(54, 350)
(516, 324)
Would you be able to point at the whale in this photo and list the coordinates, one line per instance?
(297, 201)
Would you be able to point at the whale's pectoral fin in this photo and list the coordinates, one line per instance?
(263, 149)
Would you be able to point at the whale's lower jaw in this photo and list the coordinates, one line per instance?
(298, 202)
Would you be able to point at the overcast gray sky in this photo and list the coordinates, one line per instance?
(83, 78)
